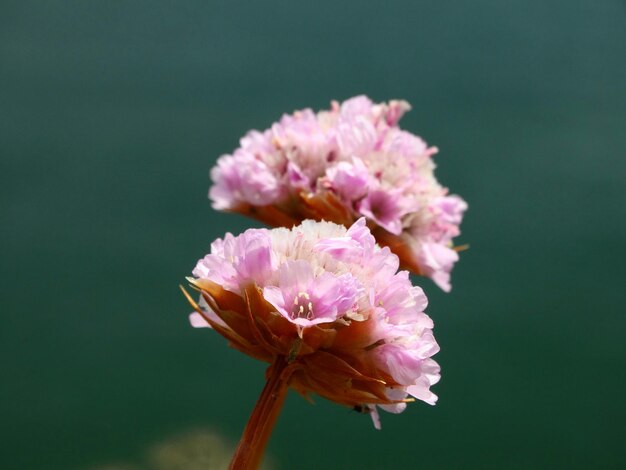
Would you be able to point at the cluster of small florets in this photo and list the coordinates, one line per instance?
(356, 152)
(333, 302)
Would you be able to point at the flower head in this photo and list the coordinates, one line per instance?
(341, 164)
(331, 302)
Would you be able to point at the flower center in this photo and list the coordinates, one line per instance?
(302, 306)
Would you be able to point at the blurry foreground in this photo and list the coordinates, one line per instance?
(200, 449)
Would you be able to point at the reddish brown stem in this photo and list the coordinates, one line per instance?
(249, 452)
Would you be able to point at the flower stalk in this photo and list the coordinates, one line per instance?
(251, 447)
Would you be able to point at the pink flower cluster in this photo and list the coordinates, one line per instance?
(332, 301)
(357, 153)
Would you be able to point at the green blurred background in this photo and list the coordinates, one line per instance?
(112, 113)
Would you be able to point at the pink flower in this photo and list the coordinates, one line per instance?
(340, 164)
(305, 299)
(385, 207)
(248, 257)
(331, 301)
(349, 180)
(242, 177)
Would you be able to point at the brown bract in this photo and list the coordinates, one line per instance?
(331, 359)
